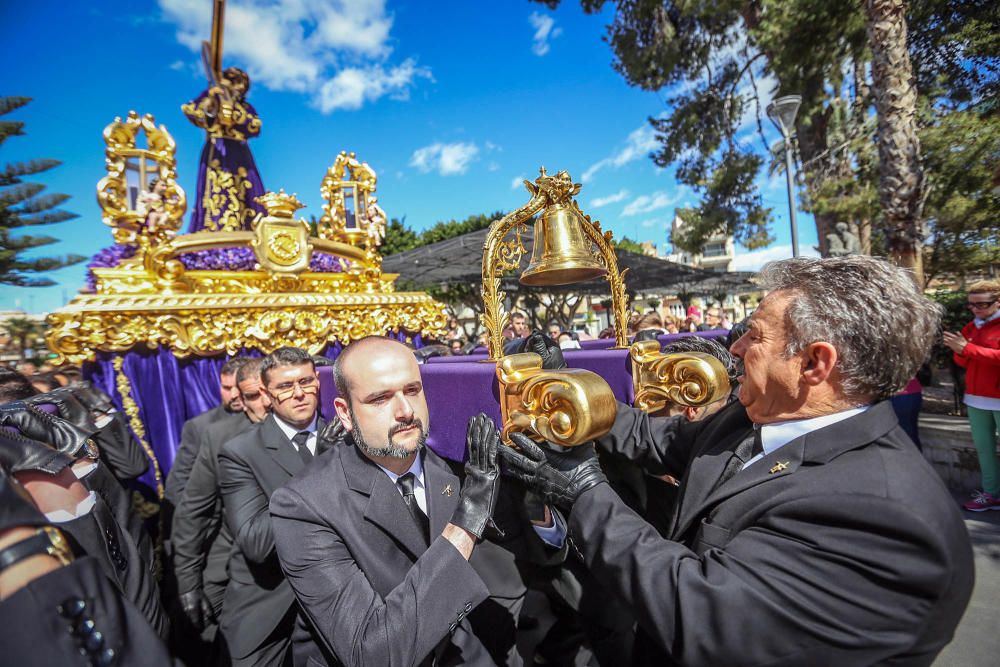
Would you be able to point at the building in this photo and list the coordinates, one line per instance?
(717, 255)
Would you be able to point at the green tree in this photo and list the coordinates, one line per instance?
(625, 243)
(398, 237)
(22, 330)
(23, 204)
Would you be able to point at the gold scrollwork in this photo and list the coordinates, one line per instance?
(567, 407)
(347, 178)
(122, 156)
(685, 378)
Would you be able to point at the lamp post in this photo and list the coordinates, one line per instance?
(782, 113)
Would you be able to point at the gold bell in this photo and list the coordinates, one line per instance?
(562, 253)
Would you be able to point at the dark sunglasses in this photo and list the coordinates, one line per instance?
(976, 305)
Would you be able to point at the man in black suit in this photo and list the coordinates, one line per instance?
(193, 434)
(201, 537)
(809, 530)
(377, 537)
(259, 610)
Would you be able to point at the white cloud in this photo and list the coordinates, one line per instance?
(653, 202)
(446, 159)
(544, 31)
(518, 182)
(652, 222)
(598, 202)
(639, 144)
(335, 51)
(755, 260)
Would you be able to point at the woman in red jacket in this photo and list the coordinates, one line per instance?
(977, 350)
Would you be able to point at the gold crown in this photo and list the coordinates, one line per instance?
(279, 204)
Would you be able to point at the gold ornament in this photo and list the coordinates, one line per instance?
(686, 378)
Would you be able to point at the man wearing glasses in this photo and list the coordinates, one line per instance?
(259, 609)
(977, 350)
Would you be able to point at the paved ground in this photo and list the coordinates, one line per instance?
(977, 641)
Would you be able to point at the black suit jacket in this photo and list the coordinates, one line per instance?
(201, 539)
(251, 467)
(373, 592)
(841, 548)
(192, 439)
(120, 450)
(49, 622)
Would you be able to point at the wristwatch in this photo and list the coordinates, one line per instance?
(46, 540)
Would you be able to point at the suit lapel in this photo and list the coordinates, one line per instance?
(280, 447)
(443, 489)
(385, 507)
(703, 473)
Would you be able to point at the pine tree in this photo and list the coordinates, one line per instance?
(23, 204)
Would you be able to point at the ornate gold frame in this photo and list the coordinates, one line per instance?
(500, 256)
(688, 378)
(112, 190)
(362, 178)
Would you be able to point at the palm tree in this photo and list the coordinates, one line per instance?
(901, 182)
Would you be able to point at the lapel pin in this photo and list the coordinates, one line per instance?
(447, 491)
(778, 467)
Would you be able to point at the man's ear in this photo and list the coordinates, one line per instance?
(820, 358)
(343, 412)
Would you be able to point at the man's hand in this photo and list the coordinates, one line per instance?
(559, 477)
(197, 609)
(50, 493)
(547, 349)
(482, 477)
(955, 341)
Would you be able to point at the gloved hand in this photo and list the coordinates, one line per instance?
(68, 406)
(547, 349)
(334, 432)
(196, 607)
(19, 453)
(557, 476)
(482, 477)
(39, 425)
(92, 398)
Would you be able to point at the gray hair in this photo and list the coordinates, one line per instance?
(871, 311)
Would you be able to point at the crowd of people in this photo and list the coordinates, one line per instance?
(792, 522)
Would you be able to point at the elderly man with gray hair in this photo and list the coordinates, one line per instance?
(809, 530)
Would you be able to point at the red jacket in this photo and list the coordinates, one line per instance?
(981, 359)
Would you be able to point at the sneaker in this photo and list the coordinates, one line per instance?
(982, 501)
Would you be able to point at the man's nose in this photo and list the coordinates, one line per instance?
(404, 411)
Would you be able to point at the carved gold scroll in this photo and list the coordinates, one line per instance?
(687, 378)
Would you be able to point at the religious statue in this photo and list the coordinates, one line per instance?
(842, 242)
(152, 206)
(228, 180)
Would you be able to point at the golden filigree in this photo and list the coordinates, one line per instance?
(222, 114)
(135, 421)
(501, 255)
(685, 378)
(350, 179)
(281, 242)
(225, 198)
(195, 324)
(567, 407)
(157, 160)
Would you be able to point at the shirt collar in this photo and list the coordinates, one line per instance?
(773, 436)
(417, 468)
(980, 323)
(290, 430)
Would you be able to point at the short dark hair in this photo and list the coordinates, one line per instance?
(708, 346)
(233, 366)
(14, 386)
(339, 379)
(248, 369)
(284, 356)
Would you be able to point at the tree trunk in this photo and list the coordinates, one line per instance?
(900, 178)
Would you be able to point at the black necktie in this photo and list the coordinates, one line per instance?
(300, 440)
(750, 447)
(419, 518)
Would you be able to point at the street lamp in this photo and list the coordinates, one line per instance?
(782, 113)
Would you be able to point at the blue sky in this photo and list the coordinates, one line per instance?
(452, 103)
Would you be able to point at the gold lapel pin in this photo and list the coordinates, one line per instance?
(446, 491)
(778, 467)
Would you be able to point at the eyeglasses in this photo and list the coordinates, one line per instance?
(976, 305)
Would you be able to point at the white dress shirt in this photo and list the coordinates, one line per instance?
(777, 435)
(290, 432)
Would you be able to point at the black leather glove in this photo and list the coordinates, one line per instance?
(334, 432)
(547, 349)
(482, 477)
(36, 424)
(69, 408)
(557, 476)
(19, 453)
(197, 609)
(92, 398)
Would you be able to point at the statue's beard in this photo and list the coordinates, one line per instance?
(391, 449)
